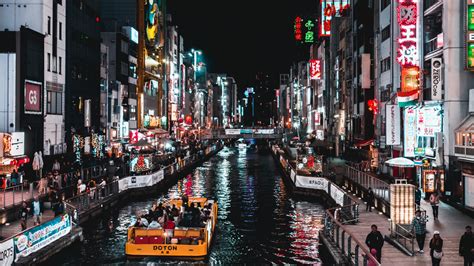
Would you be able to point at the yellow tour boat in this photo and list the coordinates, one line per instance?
(181, 242)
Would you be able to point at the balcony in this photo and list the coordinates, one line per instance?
(432, 6)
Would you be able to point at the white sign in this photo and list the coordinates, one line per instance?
(436, 79)
(319, 183)
(428, 121)
(409, 140)
(337, 195)
(320, 134)
(392, 114)
(140, 181)
(293, 175)
(264, 131)
(18, 144)
(6, 252)
(232, 131)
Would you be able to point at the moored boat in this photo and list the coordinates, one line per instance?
(185, 241)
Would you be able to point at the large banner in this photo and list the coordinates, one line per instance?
(319, 183)
(232, 131)
(392, 114)
(140, 181)
(6, 252)
(337, 195)
(40, 236)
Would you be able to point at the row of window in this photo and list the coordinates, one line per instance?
(60, 28)
(55, 64)
(385, 65)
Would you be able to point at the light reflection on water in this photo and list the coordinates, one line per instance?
(258, 222)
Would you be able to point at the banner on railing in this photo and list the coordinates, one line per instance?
(6, 252)
(319, 183)
(140, 181)
(337, 195)
(41, 236)
(232, 131)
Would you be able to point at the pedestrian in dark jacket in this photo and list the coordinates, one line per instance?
(436, 249)
(466, 246)
(370, 200)
(375, 240)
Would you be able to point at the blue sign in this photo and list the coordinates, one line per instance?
(41, 236)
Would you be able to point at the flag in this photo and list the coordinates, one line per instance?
(407, 98)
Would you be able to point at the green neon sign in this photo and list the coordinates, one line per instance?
(470, 55)
(470, 17)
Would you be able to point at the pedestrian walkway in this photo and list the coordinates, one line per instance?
(451, 225)
(10, 229)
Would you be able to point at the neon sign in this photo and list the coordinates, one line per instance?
(407, 19)
(304, 30)
(329, 10)
(315, 69)
(298, 27)
(470, 35)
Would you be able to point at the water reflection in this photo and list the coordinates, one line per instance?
(258, 222)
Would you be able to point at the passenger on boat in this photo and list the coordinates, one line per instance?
(169, 228)
(196, 216)
(185, 200)
(174, 212)
(187, 217)
(142, 222)
(154, 224)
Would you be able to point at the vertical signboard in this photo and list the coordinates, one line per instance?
(409, 141)
(365, 71)
(87, 113)
(470, 35)
(392, 124)
(315, 69)
(436, 79)
(329, 10)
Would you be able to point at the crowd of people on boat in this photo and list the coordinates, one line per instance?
(190, 214)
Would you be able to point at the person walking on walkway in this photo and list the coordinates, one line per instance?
(36, 207)
(434, 201)
(418, 198)
(370, 200)
(466, 246)
(418, 225)
(56, 166)
(436, 247)
(375, 241)
(23, 216)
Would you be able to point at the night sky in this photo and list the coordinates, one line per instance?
(243, 37)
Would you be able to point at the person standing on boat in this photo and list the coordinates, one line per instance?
(169, 228)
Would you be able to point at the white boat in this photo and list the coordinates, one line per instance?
(241, 144)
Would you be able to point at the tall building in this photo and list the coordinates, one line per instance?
(83, 69)
(49, 19)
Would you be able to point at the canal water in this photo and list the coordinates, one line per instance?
(258, 221)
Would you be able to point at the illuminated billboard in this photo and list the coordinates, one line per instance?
(329, 10)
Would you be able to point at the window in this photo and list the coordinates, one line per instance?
(385, 65)
(386, 33)
(60, 30)
(49, 62)
(124, 69)
(55, 64)
(384, 4)
(60, 65)
(133, 71)
(49, 25)
(124, 47)
(54, 102)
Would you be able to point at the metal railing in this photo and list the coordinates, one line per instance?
(86, 200)
(348, 214)
(404, 237)
(15, 195)
(353, 249)
(380, 188)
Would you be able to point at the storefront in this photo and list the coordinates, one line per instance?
(12, 155)
(464, 151)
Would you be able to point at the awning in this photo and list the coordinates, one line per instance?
(363, 143)
(400, 162)
(467, 125)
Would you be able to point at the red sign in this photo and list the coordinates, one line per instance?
(329, 10)
(188, 120)
(32, 97)
(407, 18)
(298, 31)
(315, 69)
